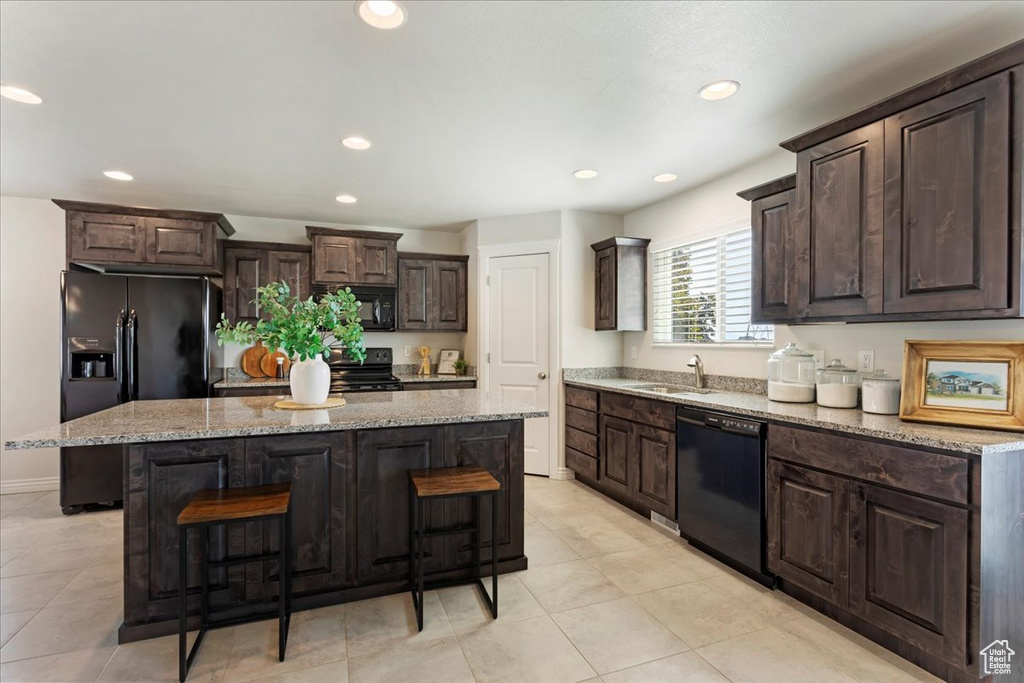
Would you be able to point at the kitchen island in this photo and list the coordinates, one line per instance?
(350, 509)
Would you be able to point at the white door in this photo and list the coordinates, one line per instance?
(518, 344)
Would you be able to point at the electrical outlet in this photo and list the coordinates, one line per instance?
(632, 352)
(866, 361)
(408, 351)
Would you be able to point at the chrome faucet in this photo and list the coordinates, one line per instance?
(698, 365)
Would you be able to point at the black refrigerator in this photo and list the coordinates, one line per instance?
(128, 338)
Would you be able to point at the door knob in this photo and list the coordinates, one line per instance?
(542, 375)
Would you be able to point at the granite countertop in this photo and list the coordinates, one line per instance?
(236, 382)
(215, 418)
(413, 378)
(849, 421)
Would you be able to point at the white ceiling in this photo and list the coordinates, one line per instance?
(474, 108)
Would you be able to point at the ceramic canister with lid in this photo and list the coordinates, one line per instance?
(837, 386)
(791, 375)
(881, 394)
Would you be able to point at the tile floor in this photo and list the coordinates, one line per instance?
(608, 597)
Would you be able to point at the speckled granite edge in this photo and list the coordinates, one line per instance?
(413, 378)
(848, 421)
(746, 385)
(154, 437)
(406, 369)
(247, 381)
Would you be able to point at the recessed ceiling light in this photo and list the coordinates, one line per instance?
(346, 199)
(384, 14)
(356, 142)
(665, 177)
(118, 175)
(19, 95)
(718, 90)
(585, 174)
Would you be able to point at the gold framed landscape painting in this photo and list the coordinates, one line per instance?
(964, 383)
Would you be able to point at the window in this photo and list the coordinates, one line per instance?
(702, 293)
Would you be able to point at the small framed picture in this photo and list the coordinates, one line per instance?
(965, 383)
(446, 363)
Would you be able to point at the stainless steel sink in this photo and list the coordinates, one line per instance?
(668, 389)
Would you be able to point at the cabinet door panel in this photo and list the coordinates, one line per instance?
(497, 447)
(314, 464)
(104, 237)
(450, 295)
(160, 480)
(617, 447)
(244, 271)
(654, 470)
(334, 259)
(605, 290)
(807, 530)
(384, 458)
(948, 229)
(180, 242)
(773, 258)
(375, 261)
(839, 225)
(908, 569)
(292, 268)
(415, 291)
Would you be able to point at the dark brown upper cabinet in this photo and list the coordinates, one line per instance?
(909, 209)
(432, 292)
(248, 265)
(948, 225)
(838, 233)
(772, 286)
(354, 257)
(620, 284)
(132, 239)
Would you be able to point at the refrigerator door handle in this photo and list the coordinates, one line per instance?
(119, 357)
(133, 379)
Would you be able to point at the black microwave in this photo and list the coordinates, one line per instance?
(377, 305)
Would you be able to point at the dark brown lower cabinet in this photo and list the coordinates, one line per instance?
(908, 568)
(654, 470)
(160, 479)
(808, 539)
(315, 464)
(617, 437)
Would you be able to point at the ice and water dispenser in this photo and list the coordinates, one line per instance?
(91, 357)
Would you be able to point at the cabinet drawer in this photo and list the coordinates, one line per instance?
(581, 398)
(653, 413)
(930, 474)
(581, 441)
(583, 465)
(583, 420)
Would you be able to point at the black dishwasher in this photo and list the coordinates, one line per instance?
(721, 488)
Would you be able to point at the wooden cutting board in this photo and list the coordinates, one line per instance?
(251, 360)
(268, 364)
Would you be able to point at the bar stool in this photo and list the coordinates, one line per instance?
(227, 506)
(469, 481)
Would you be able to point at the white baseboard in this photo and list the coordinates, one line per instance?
(563, 473)
(30, 485)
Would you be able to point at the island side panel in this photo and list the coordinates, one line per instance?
(350, 516)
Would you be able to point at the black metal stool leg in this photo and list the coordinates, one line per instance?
(204, 559)
(282, 582)
(494, 555)
(477, 538)
(421, 552)
(182, 602)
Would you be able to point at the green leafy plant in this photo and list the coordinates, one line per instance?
(303, 329)
(460, 366)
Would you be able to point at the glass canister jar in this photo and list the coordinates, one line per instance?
(837, 386)
(791, 375)
(881, 394)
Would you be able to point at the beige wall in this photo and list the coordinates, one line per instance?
(714, 204)
(31, 258)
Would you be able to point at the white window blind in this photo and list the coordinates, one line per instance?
(701, 293)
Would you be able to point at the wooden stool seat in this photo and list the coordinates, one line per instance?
(226, 506)
(217, 506)
(452, 481)
(468, 481)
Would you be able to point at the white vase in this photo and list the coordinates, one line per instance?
(310, 381)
